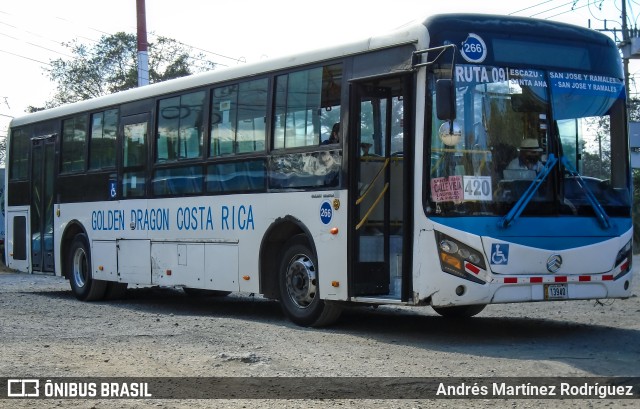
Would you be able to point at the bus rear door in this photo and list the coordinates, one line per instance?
(42, 197)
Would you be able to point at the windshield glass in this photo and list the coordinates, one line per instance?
(509, 122)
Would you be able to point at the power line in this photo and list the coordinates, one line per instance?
(35, 45)
(530, 7)
(553, 8)
(568, 11)
(239, 60)
(26, 58)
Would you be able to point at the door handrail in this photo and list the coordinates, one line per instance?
(373, 206)
(366, 192)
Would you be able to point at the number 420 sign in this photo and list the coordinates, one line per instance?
(477, 188)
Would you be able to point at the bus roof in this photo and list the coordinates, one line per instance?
(417, 32)
(409, 33)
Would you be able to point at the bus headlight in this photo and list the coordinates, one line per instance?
(454, 255)
(623, 259)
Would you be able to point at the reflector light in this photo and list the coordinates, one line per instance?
(472, 268)
(334, 230)
(560, 279)
(168, 272)
(584, 278)
(624, 266)
(335, 284)
(246, 278)
(608, 277)
(511, 280)
(535, 279)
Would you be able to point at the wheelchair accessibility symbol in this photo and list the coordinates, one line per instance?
(112, 189)
(499, 253)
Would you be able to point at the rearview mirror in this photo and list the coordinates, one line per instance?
(445, 100)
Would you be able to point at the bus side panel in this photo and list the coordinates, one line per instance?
(177, 263)
(221, 267)
(104, 257)
(134, 261)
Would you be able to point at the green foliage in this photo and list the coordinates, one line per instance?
(111, 65)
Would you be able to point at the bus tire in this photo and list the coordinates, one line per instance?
(298, 283)
(115, 291)
(460, 311)
(84, 287)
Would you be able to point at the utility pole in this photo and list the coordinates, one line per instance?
(625, 43)
(630, 46)
(143, 56)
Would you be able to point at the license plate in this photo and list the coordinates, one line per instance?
(556, 292)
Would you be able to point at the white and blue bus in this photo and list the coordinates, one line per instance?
(376, 172)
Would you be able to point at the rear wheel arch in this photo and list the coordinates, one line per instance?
(71, 231)
(80, 272)
(271, 247)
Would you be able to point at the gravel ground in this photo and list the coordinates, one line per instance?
(45, 332)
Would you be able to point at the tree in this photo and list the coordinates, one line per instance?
(111, 65)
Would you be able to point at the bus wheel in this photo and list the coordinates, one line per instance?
(84, 287)
(298, 280)
(460, 311)
(115, 291)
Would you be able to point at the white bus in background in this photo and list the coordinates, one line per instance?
(2, 226)
(224, 181)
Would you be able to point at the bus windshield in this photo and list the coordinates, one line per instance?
(509, 123)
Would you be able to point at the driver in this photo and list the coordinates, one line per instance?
(529, 155)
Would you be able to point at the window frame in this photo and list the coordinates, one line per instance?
(84, 116)
(90, 168)
(204, 131)
(234, 129)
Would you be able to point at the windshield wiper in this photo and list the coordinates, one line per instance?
(601, 215)
(518, 208)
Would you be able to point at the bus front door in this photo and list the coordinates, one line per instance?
(42, 181)
(378, 187)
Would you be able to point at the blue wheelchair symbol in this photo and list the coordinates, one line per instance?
(499, 253)
(112, 189)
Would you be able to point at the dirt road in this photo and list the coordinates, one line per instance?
(46, 332)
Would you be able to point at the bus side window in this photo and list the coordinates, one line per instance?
(102, 145)
(307, 104)
(238, 118)
(180, 127)
(74, 137)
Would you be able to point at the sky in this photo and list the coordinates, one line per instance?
(233, 32)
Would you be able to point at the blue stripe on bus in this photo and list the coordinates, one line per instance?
(541, 232)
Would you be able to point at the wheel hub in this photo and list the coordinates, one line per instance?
(80, 273)
(301, 280)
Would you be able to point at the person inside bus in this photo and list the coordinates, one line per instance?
(365, 147)
(335, 135)
(529, 156)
